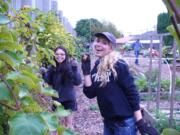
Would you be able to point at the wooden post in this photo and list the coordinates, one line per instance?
(173, 84)
(150, 74)
(159, 73)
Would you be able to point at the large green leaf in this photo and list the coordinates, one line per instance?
(31, 75)
(4, 92)
(14, 35)
(27, 100)
(170, 131)
(49, 92)
(29, 104)
(27, 124)
(51, 120)
(11, 58)
(20, 78)
(7, 59)
(4, 19)
(26, 67)
(23, 92)
(61, 112)
(8, 40)
(178, 3)
(6, 36)
(8, 45)
(16, 59)
(2, 64)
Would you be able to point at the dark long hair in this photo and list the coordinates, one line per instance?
(65, 67)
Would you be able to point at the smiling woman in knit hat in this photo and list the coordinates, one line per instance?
(112, 84)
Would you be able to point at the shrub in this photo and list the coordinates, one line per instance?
(165, 85)
(178, 83)
(141, 83)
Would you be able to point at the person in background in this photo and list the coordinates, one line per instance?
(113, 85)
(153, 52)
(137, 47)
(62, 78)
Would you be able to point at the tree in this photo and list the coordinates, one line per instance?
(87, 28)
(110, 27)
(163, 22)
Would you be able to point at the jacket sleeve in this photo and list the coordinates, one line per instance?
(126, 82)
(48, 76)
(76, 76)
(89, 91)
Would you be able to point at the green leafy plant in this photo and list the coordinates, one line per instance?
(141, 83)
(162, 121)
(153, 74)
(165, 85)
(170, 131)
(177, 83)
(167, 53)
(24, 100)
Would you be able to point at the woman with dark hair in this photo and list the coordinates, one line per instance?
(62, 78)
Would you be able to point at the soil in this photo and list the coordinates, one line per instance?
(87, 121)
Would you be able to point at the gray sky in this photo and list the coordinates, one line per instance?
(129, 16)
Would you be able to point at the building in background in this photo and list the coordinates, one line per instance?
(39, 4)
(16, 4)
(45, 6)
(27, 2)
(54, 5)
(145, 39)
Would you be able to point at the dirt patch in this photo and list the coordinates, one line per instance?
(87, 121)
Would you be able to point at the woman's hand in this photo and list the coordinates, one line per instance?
(86, 64)
(74, 64)
(145, 129)
(42, 70)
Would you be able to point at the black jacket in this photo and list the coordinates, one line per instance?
(65, 89)
(119, 98)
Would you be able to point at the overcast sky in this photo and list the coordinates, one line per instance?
(129, 16)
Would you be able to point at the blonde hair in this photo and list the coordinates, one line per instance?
(106, 66)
